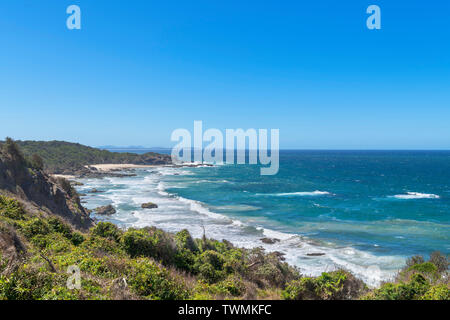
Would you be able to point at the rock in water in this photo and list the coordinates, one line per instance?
(149, 205)
(106, 210)
(95, 191)
(270, 240)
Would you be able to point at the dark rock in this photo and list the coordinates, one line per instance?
(106, 210)
(95, 191)
(279, 255)
(270, 240)
(315, 254)
(149, 205)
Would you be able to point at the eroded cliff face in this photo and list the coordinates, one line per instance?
(41, 193)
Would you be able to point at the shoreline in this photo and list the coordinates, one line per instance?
(269, 239)
(108, 167)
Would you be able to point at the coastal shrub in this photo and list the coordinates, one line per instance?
(414, 289)
(414, 260)
(437, 292)
(183, 240)
(77, 238)
(427, 269)
(27, 283)
(154, 282)
(185, 260)
(35, 226)
(149, 242)
(440, 261)
(53, 241)
(268, 269)
(210, 266)
(107, 230)
(66, 186)
(57, 225)
(11, 148)
(36, 162)
(335, 285)
(232, 286)
(11, 208)
(102, 246)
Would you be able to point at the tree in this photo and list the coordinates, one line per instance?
(12, 149)
(37, 162)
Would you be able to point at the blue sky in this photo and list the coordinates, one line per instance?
(137, 70)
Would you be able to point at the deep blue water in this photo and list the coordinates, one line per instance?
(360, 208)
(362, 197)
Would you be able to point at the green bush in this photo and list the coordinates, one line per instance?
(154, 282)
(149, 242)
(27, 283)
(440, 261)
(107, 230)
(11, 208)
(336, 285)
(36, 162)
(426, 268)
(57, 225)
(77, 238)
(411, 290)
(183, 240)
(35, 226)
(210, 266)
(437, 292)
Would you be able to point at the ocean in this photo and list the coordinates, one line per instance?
(366, 211)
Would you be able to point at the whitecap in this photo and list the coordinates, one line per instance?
(415, 195)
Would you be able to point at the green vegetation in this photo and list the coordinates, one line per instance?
(115, 264)
(152, 264)
(66, 157)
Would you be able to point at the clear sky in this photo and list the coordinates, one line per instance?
(137, 70)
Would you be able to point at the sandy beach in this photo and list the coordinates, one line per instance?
(64, 176)
(111, 167)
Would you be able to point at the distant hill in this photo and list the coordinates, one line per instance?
(66, 157)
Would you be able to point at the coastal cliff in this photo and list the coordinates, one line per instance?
(27, 182)
(61, 157)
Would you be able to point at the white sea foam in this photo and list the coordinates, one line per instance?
(415, 195)
(175, 213)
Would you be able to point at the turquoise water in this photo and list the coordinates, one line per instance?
(365, 210)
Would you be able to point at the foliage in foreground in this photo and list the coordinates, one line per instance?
(35, 253)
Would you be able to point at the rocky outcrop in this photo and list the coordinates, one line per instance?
(149, 205)
(95, 191)
(315, 254)
(270, 240)
(39, 192)
(106, 210)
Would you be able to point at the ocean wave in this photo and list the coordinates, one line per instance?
(415, 195)
(237, 207)
(176, 213)
(299, 194)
